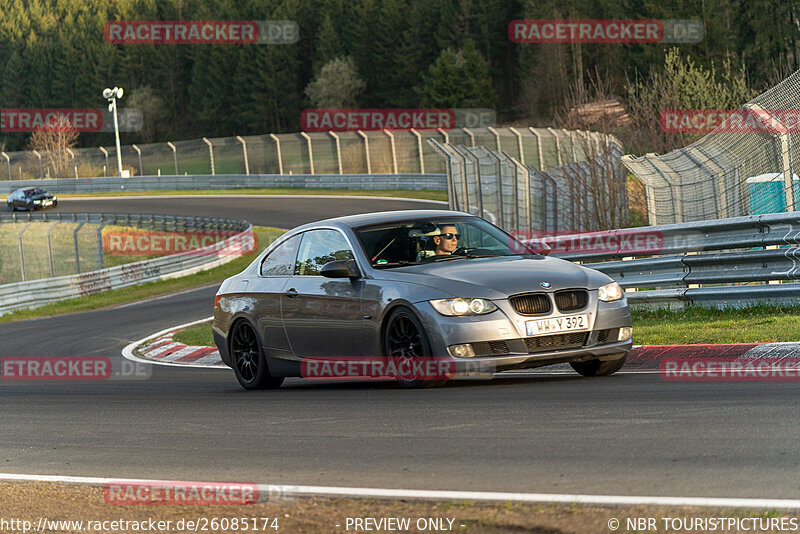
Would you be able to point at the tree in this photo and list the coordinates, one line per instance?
(458, 79)
(337, 85)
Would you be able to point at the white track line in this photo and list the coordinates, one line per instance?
(421, 200)
(339, 491)
(128, 351)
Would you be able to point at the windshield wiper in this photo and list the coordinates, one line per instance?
(399, 263)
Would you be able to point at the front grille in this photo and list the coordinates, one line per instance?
(604, 336)
(490, 348)
(531, 304)
(556, 342)
(573, 299)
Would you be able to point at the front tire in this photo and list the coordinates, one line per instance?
(596, 367)
(405, 343)
(249, 362)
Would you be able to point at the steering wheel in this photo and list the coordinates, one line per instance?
(460, 251)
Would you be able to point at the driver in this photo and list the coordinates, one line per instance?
(446, 241)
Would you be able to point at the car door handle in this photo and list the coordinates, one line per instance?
(291, 293)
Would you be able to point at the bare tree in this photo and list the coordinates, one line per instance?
(597, 181)
(53, 143)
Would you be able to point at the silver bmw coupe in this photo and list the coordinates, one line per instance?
(385, 294)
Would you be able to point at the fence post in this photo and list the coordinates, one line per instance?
(419, 146)
(519, 144)
(452, 200)
(41, 170)
(338, 151)
(446, 137)
(244, 151)
(496, 137)
(310, 150)
(366, 150)
(100, 259)
(174, 156)
(558, 145)
(394, 151)
(280, 158)
(471, 136)
(50, 248)
(77, 251)
(8, 162)
(521, 168)
(139, 152)
(538, 147)
(74, 166)
(782, 136)
(105, 152)
(211, 154)
(21, 252)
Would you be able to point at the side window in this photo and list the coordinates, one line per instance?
(318, 248)
(280, 262)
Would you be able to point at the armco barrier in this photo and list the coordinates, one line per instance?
(690, 256)
(31, 294)
(437, 182)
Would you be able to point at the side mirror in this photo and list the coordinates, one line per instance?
(541, 248)
(340, 269)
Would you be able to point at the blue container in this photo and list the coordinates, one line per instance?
(767, 195)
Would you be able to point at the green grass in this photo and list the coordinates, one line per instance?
(423, 194)
(199, 334)
(265, 236)
(704, 325)
(694, 325)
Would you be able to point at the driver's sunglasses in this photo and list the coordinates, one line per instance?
(450, 236)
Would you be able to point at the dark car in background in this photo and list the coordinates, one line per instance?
(410, 285)
(31, 198)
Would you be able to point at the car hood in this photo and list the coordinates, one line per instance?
(500, 277)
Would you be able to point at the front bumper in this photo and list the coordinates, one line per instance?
(501, 343)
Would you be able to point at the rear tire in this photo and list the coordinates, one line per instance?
(405, 341)
(596, 367)
(249, 362)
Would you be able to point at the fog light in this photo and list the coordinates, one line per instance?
(461, 351)
(625, 333)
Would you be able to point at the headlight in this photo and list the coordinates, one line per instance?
(610, 292)
(37, 201)
(459, 307)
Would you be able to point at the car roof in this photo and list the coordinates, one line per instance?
(364, 219)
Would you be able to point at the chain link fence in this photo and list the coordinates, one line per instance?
(37, 246)
(732, 171)
(359, 152)
(550, 181)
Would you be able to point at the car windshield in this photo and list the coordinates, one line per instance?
(32, 192)
(412, 242)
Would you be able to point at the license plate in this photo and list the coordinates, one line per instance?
(569, 323)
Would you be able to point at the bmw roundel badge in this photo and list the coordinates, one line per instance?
(545, 284)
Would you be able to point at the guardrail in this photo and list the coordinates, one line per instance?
(31, 294)
(437, 182)
(684, 257)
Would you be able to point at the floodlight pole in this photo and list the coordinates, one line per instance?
(112, 95)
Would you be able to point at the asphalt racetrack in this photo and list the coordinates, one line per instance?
(627, 434)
